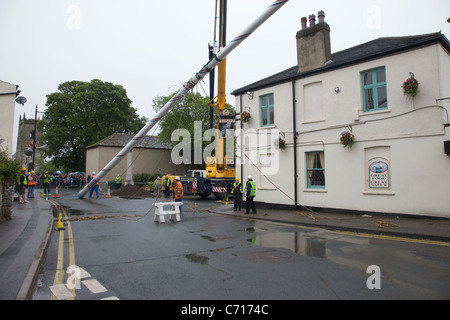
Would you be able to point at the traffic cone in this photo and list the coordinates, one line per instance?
(108, 195)
(59, 225)
(56, 193)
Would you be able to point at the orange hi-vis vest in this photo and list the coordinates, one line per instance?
(31, 181)
(178, 190)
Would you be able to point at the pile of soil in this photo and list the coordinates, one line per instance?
(131, 192)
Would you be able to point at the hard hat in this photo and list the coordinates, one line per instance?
(249, 177)
(177, 178)
(237, 178)
(23, 169)
(32, 171)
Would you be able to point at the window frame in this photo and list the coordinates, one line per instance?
(266, 108)
(308, 170)
(374, 86)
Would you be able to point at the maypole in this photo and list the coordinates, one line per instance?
(189, 85)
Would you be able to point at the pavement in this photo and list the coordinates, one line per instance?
(24, 239)
(431, 229)
(23, 242)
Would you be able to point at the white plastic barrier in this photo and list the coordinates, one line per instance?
(174, 211)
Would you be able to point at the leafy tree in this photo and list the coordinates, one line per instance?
(193, 107)
(83, 113)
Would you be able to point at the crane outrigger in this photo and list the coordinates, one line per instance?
(189, 85)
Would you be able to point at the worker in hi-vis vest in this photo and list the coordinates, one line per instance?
(250, 192)
(236, 191)
(178, 191)
(95, 187)
(22, 185)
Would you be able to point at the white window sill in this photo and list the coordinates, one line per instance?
(315, 190)
(273, 126)
(313, 121)
(379, 192)
(363, 113)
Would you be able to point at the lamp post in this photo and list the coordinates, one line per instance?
(34, 135)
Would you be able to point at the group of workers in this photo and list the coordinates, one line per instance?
(177, 186)
(237, 191)
(250, 191)
(29, 182)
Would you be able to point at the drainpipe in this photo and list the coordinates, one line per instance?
(242, 139)
(294, 117)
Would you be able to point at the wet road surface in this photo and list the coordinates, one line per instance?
(121, 253)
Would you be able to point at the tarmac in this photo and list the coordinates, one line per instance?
(24, 239)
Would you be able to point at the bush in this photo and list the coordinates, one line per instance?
(9, 169)
(143, 178)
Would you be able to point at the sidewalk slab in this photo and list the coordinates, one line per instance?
(23, 241)
(435, 229)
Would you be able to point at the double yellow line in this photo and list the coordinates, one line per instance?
(350, 233)
(394, 238)
(60, 271)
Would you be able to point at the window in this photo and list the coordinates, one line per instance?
(374, 90)
(267, 110)
(315, 170)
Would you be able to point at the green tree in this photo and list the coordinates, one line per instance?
(193, 107)
(83, 113)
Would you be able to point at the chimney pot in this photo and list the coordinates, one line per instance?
(313, 44)
(321, 16)
(304, 22)
(312, 20)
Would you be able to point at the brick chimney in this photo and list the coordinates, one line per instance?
(313, 43)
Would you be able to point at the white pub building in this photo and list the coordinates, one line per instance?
(399, 161)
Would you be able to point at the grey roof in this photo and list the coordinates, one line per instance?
(367, 51)
(121, 139)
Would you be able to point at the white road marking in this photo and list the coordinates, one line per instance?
(94, 286)
(61, 292)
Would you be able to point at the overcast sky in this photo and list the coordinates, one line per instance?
(152, 47)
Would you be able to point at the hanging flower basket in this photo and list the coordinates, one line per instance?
(245, 116)
(347, 139)
(411, 86)
(281, 144)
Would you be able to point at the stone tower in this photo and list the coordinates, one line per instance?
(25, 140)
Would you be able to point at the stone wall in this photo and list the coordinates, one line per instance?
(6, 200)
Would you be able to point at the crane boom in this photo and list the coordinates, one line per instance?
(189, 85)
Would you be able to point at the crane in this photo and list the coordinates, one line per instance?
(219, 168)
(188, 86)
